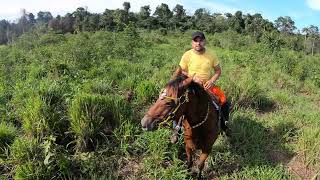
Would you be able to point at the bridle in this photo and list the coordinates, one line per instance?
(184, 98)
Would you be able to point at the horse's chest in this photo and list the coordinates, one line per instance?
(197, 139)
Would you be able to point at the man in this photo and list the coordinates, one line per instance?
(199, 63)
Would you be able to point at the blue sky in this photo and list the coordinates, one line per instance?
(303, 12)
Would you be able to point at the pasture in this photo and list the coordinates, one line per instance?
(71, 105)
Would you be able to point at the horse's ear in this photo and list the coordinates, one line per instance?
(176, 73)
(187, 82)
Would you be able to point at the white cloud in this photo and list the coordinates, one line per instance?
(314, 4)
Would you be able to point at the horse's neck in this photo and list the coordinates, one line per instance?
(198, 107)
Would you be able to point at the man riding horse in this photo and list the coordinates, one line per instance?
(199, 62)
(188, 99)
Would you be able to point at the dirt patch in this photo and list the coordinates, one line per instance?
(130, 168)
(277, 156)
(298, 168)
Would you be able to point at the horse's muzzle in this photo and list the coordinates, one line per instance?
(148, 123)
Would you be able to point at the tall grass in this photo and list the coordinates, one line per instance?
(92, 117)
(71, 104)
(7, 135)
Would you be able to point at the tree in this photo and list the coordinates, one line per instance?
(23, 22)
(44, 17)
(81, 18)
(254, 25)
(144, 19)
(119, 19)
(285, 25)
(163, 15)
(107, 19)
(94, 22)
(4, 30)
(312, 32)
(179, 16)
(55, 24)
(220, 23)
(31, 19)
(202, 20)
(126, 7)
(67, 23)
(144, 12)
(236, 22)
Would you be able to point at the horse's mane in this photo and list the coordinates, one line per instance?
(175, 85)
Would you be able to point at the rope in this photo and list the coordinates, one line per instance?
(204, 120)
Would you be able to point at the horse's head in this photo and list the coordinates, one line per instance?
(171, 102)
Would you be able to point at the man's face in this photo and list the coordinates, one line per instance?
(198, 44)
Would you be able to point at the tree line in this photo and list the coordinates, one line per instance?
(164, 19)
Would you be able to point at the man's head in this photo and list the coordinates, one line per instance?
(198, 41)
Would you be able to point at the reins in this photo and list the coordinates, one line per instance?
(179, 104)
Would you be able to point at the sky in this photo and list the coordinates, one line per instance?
(303, 12)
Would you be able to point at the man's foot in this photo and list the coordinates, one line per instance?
(174, 137)
(227, 131)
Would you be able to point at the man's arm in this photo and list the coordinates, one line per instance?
(214, 78)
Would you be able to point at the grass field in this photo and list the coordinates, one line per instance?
(71, 106)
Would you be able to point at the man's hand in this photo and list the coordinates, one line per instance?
(209, 84)
(197, 80)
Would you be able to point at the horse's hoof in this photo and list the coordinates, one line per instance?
(199, 176)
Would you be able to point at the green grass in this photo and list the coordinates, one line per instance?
(7, 135)
(71, 107)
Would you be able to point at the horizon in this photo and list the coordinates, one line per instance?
(308, 13)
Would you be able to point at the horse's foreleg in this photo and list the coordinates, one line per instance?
(203, 157)
(189, 152)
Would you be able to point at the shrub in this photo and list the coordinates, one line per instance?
(146, 91)
(51, 38)
(126, 43)
(308, 144)
(245, 89)
(33, 120)
(54, 107)
(24, 149)
(81, 51)
(43, 111)
(104, 43)
(163, 31)
(92, 117)
(7, 135)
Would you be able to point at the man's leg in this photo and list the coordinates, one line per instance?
(225, 112)
(176, 128)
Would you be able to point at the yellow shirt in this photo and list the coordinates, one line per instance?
(199, 64)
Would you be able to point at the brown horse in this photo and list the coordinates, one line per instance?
(184, 98)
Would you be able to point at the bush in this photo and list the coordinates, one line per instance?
(81, 51)
(163, 31)
(43, 110)
(93, 117)
(146, 91)
(51, 38)
(245, 89)
(7, 135)
(309, 145)
(24, 149)
(104, 43)
(127, 43)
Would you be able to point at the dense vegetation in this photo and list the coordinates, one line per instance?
(282, 31)
(70, 106)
